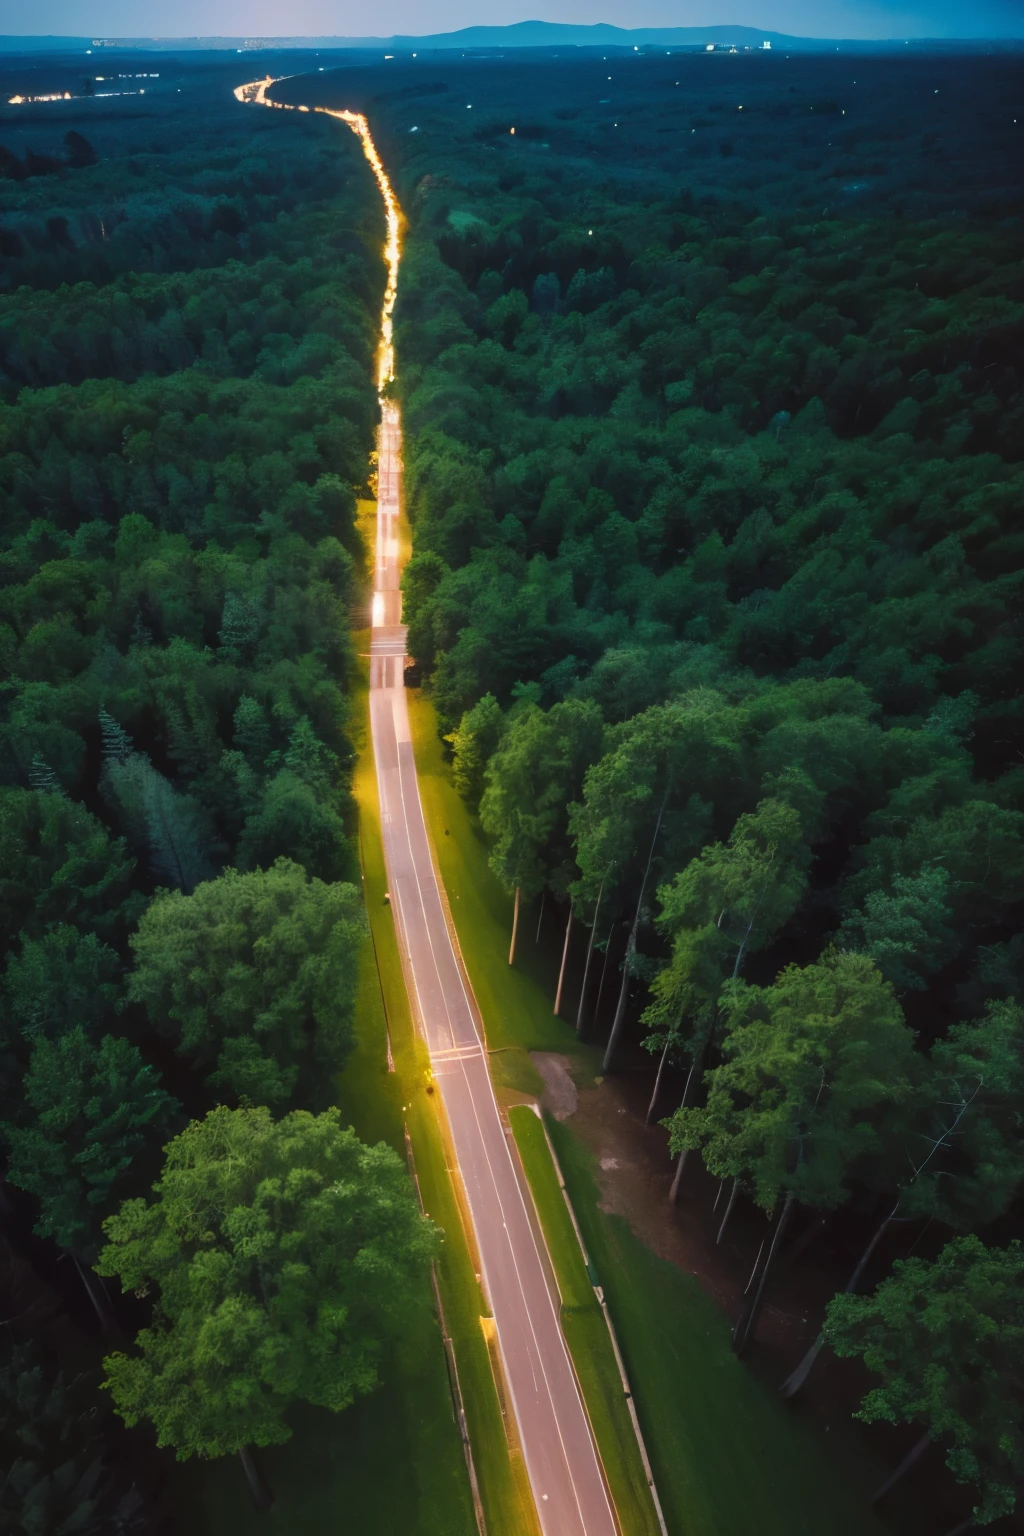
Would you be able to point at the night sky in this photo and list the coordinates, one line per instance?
(245, 18)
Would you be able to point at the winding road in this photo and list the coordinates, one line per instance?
(561, 1459)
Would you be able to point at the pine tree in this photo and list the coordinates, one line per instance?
(116, 743)
(42, 777)
(178, 832)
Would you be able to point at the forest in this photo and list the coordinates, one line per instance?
(187, 411)
(716, 589)
(710, 371)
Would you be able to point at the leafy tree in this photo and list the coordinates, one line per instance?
(278, 1251)
(253, 976)
(534, 774)
(89, 1112)
(473, 742)
(292, 821)
(947, 1339)
(252, 731)
(644, 801)
(811, 1065)
(727, 903)
(64, 981)
(956, 1155)
(672, 755)
(907, 933)
(59, 864)
(975, 1082)
(309, 759)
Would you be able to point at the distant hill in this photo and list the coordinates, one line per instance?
(521, 34)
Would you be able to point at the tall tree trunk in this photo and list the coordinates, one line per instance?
(540, 914)
(620, 1006)
(746, 1325)
(586, 967)
(262, 1496)
(728, 1210)
(97, 1294)
(515, 929)
(657, 1082)
(620, 1011)
(561, 968)
(905, 1465)
(795, 1380)
(690, 1086)
(604, 972)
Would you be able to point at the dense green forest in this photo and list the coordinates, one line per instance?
(187, 332)
(714, 449)
(716, 587)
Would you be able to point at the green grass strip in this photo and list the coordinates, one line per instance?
(586, 1334)
(504, 1488)
(516, 1002)
(728, 1455)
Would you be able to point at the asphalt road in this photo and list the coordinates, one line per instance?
(554, 1432)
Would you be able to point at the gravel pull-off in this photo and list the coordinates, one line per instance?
(559, 1096)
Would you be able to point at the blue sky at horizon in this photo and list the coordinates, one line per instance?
(293, 18)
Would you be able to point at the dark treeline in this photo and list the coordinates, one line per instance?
(716, 588)
(186, 418)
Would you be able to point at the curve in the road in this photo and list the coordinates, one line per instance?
(558, 1446)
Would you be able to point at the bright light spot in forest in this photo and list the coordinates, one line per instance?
(377, 615)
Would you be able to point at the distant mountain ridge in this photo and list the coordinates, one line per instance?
(520, 34)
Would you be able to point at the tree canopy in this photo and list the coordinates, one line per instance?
(253, 976)
(278, 1250)
(946, 1337)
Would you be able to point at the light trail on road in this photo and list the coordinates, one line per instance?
(558, 1445)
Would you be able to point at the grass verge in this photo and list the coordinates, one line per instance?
(504, 1488)
(516, 1001)
(586, 1334)
(728, 1455)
